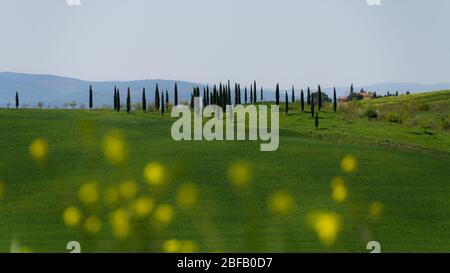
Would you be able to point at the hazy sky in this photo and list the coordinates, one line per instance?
(301, 42)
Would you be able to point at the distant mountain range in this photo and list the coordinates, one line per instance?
(56, 91)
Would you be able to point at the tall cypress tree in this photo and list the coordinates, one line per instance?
(239, 94)
(162, 103)
(262, 95)
(319, 103)
(351, 89)
(308, 97)
(115, 98)
(167, 100)
(317, 121)
(251, 93)
(144, 101)
(175, 95)
(17, 100)
(293, 94)
(312, 106)
(128, 101)
(302, 101)
(91, 103)
(287, 103)
(157, 99)
(118, 100)
(277, 94)
(254, 91)
(334, 100)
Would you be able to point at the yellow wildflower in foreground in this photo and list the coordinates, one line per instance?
(165, 214)
(120, 222)
(239, 174)
(114, 148)
(72, 217)
(142, 207)
(92, 225)
(88, 193)
(187, 195)
(339, 191)
(349, 164)
(326, 226)
(154, 173)
(39, 149)
(172, 246)
(281, 202)
(188, 246)
(376, 209)
(128, 189)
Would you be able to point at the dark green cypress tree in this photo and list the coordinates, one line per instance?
(312, 107)
(302, 101)
(317, 121)
(251, 93)
(157, 99)
(277, 94)
(319, 94)
(128, 101)
(17, 100)
(334, 100)
(115, 98)
(91, 103)
(208, 96)
(254, 92)
(351, 89)
(239, 94)
(162, 104)
(175, 95)
(308, 97)
(287, 104)
(293, 94)
(144, 101)
(262, 95)
(118, 100)
(167, 100)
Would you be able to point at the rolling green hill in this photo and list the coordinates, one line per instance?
(390, 182)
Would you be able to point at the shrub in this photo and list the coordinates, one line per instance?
(394, 117)
(371, 114)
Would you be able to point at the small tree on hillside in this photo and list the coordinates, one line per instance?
(262, 95)
(91, 103)
(254, 91)
(144, 101)
(293, 94)
(175, 95)
(118, 100)
(308, 97)
(157, 98)
(277, 95)
(128, 101)
(319, 95)
(17, 100)
(334, 100)
(245, 95)
(302, 101)
(287, 103)
(162, 104)
(251, 94)
(167, 99)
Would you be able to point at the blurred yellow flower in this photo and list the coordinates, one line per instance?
(154, 173)
(92, 225)
(128, 189)
(88, 193)
(120, 222)
(39, 149)
(239, 174)
(142, 207)
(339, 190)
(2, 190)
(188, 247)
(281, 202)
(326, 225)
(114, 148)
(164, 214)
(72, 216)
(348, 164)
(172, 246)
(112, 196)
(376, 209)
(187, 195)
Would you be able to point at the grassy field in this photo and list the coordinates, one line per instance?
(229, 196)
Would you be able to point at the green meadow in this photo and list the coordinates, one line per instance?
(391, 182)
